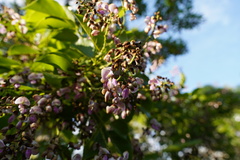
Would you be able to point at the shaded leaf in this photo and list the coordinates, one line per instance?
(66, 35)
(122, 143)
(53, 79)
(85, 50)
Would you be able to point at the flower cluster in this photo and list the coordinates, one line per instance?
(120, 93)
(118, 86)
(158, 86)
(152, 47)
(33, 78)
(105, 154)
(25, 119)
(100, 17)
(152, 52)
(131, 5)
(11, 18)
(152, 25)
(127, 56)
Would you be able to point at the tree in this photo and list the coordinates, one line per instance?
(69, 81)
(74, 81)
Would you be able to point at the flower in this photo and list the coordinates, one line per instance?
(111, 83)
(16, 79)
(95, 32)
(56, 102)
(106, 73)
(36, 110)
(155, 124)
(23, 101)
(153, 83)
(113, 8)
(125, 93)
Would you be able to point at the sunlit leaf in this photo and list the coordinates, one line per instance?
(18, 49)
(49, 7)
(57, 61)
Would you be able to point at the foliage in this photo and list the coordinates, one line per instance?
(78, 80)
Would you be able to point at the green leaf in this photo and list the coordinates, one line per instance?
(98, 41)
(123, 144)
(68, 136)
(84, 50)
(18, 49)
(66, 35)
(27, 88)
(180, 146)
(4, 120)
(49, 7)
(120, 127)
(8, 63)
(12, 131)
(41, 20)
(41, 67)
(53, 79)
(57, 61)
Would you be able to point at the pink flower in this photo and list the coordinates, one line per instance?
(3, 30)
(155, 124)
(153, 83)
(36, 110)
(107, 96)
(16, 79)
(110, 109)
(42, 101)
(22, 100)
(95, 32)
(125, 93)
(2, 144)
(106, 73)
(28, 153)
(113, 8)
(56, 102)
(112, 83)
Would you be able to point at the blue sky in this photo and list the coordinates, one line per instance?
(214, 46)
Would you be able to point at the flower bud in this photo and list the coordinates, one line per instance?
(103, 151)
(36, 110)
(56, 102)
(32, 118)
(19, 124)
(42, 101)
(95, 32)
(112, 7)
(48, 108)
(107, 96)
(110, 109)
(77, 157)
(125, 93)
(33, 126)
(2, 144)
(16, 79)
(28, 153)
(11, 118)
